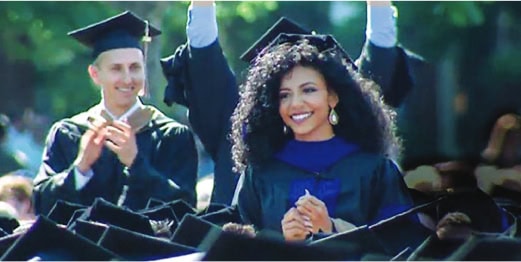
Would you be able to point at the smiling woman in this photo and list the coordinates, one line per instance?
(314, 141)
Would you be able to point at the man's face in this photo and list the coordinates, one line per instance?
(120, 74)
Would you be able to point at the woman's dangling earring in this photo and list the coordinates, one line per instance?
(333, 117)
(285, 129)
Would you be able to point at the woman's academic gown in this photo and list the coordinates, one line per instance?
(360, 188)
(165, 167)
(202, 80)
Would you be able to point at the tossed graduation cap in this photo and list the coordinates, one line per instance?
(45, 240)
(136, 246)
(283, 25)
(125, 30)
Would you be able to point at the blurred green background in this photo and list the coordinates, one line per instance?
(471, 49)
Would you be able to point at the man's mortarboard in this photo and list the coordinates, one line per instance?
(283, 25)
(125, 30)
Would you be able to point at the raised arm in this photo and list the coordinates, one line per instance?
(383, 60)
(200, 77)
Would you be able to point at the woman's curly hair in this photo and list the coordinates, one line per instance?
(257, 127)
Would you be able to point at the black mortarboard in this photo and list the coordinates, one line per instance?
(45, 240)
(265, 249)
(404, 229)
(484, 213)
(108, 213)
(125, 30)
(181, 208)
(136, 246)
(8, 224)
(226, 215)
(162, 219)
(355, 243)
(152, 202)
(7, 241)
(491, 248)
(283, 25)
(321, 42)
(434, 248)
(192, 231)
(160, 212)
(212, 207)
(89, 229)
(63, 211)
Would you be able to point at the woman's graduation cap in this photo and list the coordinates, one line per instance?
(287, 31)
(125, 30)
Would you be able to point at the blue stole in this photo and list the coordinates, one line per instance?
(316, 157)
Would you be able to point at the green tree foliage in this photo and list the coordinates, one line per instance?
(485, 37)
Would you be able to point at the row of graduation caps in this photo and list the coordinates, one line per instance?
(175, 231)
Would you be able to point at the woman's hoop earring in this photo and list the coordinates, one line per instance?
(333, 117)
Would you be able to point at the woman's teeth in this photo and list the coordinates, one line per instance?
(300, 117)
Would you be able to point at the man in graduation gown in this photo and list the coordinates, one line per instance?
(120, 149)
(199, 77)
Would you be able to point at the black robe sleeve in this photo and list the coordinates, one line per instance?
(390, 192)
(389, 68)
(171, 174)
(55, 179)
(201, 79)
(212, 97)
(249, 202)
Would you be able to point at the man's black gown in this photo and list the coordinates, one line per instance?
(165, 167)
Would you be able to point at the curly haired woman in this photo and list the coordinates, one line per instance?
(314, 141)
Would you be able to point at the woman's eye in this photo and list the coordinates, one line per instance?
(283, 96)
(309, 89)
